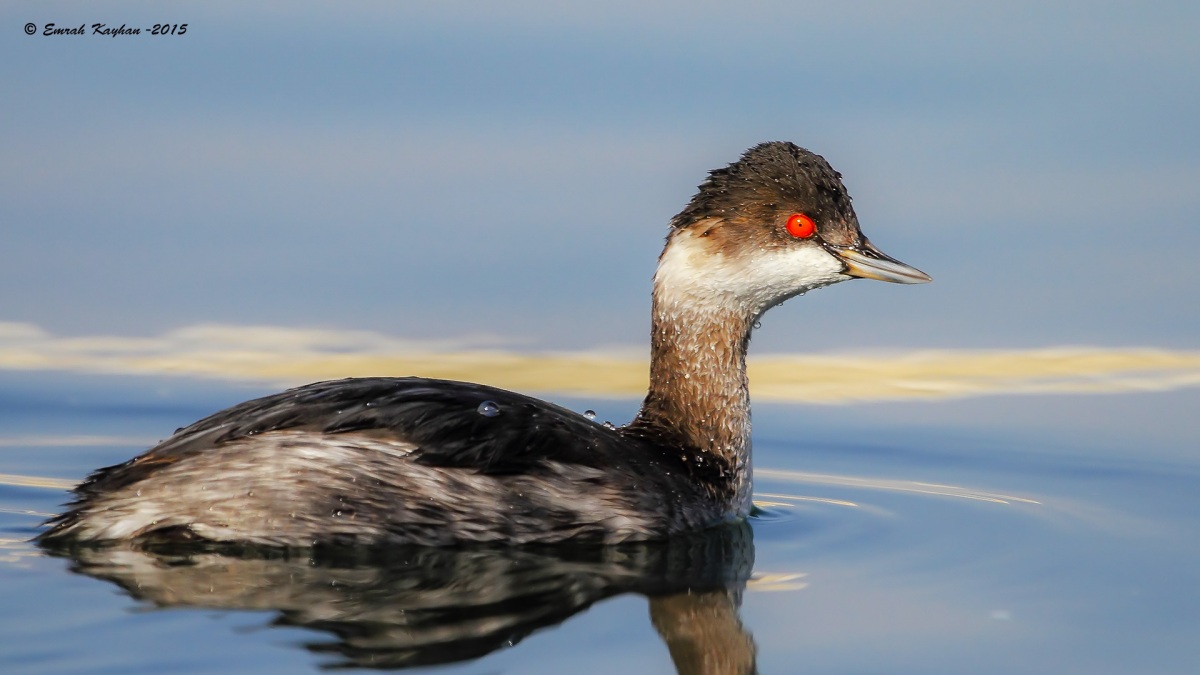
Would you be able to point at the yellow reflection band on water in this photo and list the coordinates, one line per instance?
(286, 356)
(71, 441)
(36, 481)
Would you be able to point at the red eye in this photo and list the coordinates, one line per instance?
(801, 226)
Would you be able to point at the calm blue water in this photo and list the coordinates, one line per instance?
(993, 535)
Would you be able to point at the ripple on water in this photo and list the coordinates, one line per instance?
(800, 515)
(887, 484)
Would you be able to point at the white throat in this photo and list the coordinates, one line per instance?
(693, 276)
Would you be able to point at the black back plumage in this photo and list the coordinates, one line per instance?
(501, 442)
(442, 419)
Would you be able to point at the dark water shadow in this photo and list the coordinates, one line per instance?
(414, 606)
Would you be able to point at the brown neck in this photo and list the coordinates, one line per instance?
(698, 397)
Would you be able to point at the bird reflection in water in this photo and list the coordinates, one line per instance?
(414, 606)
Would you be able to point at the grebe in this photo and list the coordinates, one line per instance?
(432, 462)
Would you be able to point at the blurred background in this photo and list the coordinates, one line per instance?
(292, 191)
(503, 173)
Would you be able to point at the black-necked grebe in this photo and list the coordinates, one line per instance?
(413, 460)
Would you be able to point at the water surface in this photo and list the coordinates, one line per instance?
(1035, 533)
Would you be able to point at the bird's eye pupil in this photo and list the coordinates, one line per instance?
(801, 226)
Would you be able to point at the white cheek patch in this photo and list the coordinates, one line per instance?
(688, 271)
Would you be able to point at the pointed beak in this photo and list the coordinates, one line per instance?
(868, 262)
